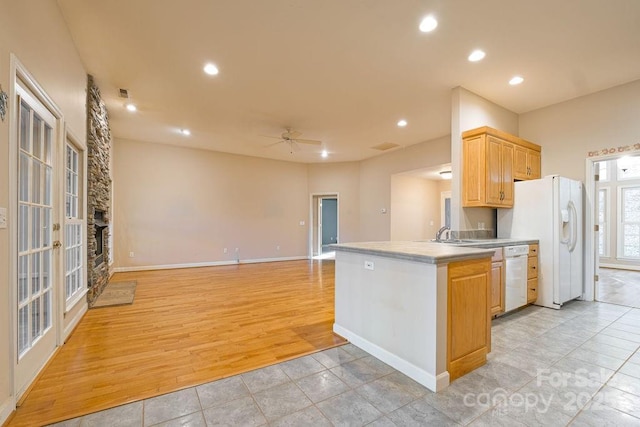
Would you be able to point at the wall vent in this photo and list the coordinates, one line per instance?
(124, 93)
(385, 146)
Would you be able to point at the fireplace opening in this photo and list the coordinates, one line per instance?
(101, 236)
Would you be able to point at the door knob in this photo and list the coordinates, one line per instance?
(57, 244)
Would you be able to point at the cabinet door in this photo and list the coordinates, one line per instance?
(534, 164)
(497, 290)
(520, 163)
(532, 290)
(494, 171)
(473, 161)
(507, 174)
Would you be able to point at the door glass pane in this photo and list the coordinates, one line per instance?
(48, 138)
(35, 181)
(23, 278)
(46, 269)
(23, 179)
(629, 167)
(37, 137)
(35, 273)
(23, 329)
(36, 227)
(46, 227)
(35, 318)
(46, 310)
(23, 228)
(24, 127)
(47, 185)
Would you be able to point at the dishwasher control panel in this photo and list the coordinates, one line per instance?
(518, 250)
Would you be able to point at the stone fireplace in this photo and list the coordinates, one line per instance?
(99, 192)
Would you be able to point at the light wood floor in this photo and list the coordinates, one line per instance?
(186, 327)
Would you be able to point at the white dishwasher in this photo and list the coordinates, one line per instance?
(516, 266)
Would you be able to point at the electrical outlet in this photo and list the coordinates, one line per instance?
(131, 255)
(481, 226)
(301, 222)
(368, 265)
(224, 250)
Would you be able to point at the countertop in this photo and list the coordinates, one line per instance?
(429, 251)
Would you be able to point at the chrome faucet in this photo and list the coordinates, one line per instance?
(441, 232)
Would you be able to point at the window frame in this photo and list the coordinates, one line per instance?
(620, 224)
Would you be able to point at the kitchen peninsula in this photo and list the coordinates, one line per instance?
(420, 307)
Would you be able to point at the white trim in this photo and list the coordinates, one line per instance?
(206, 264)
(634, 267)
(71, 325)
(76, 299)
(328, 194)
(6, 409)
(433, 383)
(619, 224)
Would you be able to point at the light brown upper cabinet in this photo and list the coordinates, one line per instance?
(491, 161)
(526, 163)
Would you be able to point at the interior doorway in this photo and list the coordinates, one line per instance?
(324, 224)
(613, 211)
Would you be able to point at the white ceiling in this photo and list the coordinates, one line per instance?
(340, 71)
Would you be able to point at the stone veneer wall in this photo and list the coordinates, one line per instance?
(99, 186)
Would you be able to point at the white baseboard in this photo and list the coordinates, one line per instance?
(74, 322)
(432, 382)
(206, 264)
(6, 409)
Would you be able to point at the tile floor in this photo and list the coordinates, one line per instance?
(577, 366)
(619, 287)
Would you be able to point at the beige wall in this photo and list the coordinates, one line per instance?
(342, 179)
(415, 208)
(469, 111)
(176, 206)
(569, 130)
(35, 32)
(375, 182)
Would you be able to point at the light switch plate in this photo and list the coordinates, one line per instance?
(3, 217)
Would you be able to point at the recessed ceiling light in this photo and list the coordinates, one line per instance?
(324, 154)
(211, 69)
(476, 55)
(428, 24)
(516, 80)
(131, 107)
(402, 123)
(185, 132)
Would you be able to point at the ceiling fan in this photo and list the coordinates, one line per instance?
(291, 138)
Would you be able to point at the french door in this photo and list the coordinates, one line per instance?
(36, 293)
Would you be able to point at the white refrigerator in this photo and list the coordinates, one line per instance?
(550, 210)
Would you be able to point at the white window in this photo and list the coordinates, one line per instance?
(604, 171)
(74, 226)
(603, 222)
(628, 168)
(629, 222)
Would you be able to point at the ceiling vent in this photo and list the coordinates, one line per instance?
(385, 146)
(124, 93)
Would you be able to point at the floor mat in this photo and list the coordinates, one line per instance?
(117, 293)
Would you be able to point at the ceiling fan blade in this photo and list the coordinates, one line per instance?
(293, 134)
(308, 141)
(275, 143)
(270, 136)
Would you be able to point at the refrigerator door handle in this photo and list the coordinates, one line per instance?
(573, 239)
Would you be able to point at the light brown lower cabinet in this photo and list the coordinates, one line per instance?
(468, 315)
(532, 274)
(497, 283)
